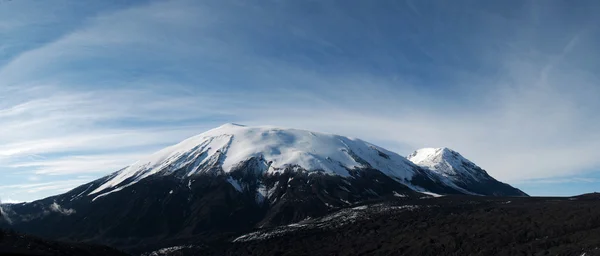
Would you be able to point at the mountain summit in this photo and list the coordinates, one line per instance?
(447, 163)
(458, 172)
(235, 178)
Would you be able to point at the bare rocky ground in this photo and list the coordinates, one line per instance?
(458, 225)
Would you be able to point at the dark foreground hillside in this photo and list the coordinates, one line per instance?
(439, 226)
(12, 243)
(450, 225)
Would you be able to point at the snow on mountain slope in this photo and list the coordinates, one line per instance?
(458, 172)
(224, 147)
(448, 163)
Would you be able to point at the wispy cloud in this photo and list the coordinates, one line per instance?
(128, 80)
(79, 164)
(560, 180)
(26, 191)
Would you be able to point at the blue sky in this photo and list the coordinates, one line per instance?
(87, 88)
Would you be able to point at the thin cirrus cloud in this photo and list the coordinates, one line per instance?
(12, 192)
(78, 164)
(102, 87)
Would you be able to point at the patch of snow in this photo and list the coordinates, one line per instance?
(235, 184)
(263, 191)
(431, 194)
(4, 215)
(396, 194)
(424, 155)
(168, 251)
(296, 225)
(83, 192)
(272, 190)
(343, 216)
(107, 193)
(404, 207)
(261, 194)
(261, 235)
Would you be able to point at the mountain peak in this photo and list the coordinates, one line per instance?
(223, 129)
(446, 162)
(458, 172)
(231, 125)
(428, 154)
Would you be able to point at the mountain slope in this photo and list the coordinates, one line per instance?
(227, 181)
(458, 172)
(226, 147)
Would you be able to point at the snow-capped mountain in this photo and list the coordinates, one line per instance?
(235, 178)
(460, 173)
(227, 147)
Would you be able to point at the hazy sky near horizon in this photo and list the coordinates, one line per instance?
(86, 88)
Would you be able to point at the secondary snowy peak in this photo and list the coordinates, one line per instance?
(226, 147)
(458, 172)
(447, 163)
